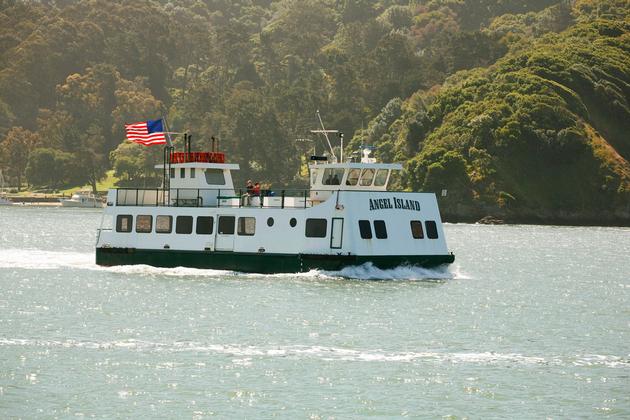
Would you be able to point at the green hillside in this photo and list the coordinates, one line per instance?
(518, 108)
(542, 135)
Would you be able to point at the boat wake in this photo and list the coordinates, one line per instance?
(34, 259)
(369, 272)
(250, 352)
(31, 259)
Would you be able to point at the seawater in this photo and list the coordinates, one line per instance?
(530, 322)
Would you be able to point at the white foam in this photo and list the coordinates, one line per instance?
(367, 271)
(243, 354)
(32, 259)
(38, 259)
(47, 260)
(142, 269)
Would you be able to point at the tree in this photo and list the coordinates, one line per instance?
(50, 167)
(6, 118)
(134, 164)
(256, 138)
(16, 148)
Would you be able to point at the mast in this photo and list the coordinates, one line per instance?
(325, 133)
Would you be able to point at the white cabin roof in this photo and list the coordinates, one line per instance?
(357, 165)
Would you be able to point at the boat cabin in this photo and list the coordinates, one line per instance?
(199, 179)
(349, 176)
(365, 175)
(203, 179)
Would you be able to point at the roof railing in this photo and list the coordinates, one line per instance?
(203, 157)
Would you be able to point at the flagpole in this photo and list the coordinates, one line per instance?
(167, 154)
(167, 132)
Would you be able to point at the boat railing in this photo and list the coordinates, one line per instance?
(230, 198)
(209, 197)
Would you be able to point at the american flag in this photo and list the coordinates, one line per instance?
(148, 133)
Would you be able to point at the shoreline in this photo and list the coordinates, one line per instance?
(540, 221)
(29, 200)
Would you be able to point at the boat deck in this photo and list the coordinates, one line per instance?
(218, 198)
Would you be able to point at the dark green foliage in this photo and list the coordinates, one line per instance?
(521, 134)
(516, 104)
(51, 167)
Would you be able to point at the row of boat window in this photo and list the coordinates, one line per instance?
(363, 178)
(246, 226)
(227, 225)
(380, 229)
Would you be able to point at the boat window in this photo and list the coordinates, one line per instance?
(366, 177)
(270, 221)
(143, 223)
(431, 228)
(246, 226)
(215, 177)
(332, 176)
(292, 222)
(123, 223)
(183, 224)
(381, 177)
(172, 172)
(316, 228)
(182, 172)
(353, 176)
(226, 225)
(416, 229)
(365, 229)
(163, 224)
(314, 173)
(192, 172)
(380, 230)
(205, 225)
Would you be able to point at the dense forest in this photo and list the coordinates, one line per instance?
(520, 109)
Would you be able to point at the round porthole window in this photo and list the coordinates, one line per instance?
(293, 222)
(270, 221)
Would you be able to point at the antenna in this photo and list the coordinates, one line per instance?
(341, 149)
(325, 133)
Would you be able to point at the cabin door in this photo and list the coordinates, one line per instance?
(225, 233)
(336, 233)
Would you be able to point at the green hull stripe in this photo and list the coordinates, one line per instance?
(258, 262)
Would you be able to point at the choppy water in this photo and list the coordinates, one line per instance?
(530, 322)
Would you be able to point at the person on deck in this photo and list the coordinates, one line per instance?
(256, 190)
(249, 186)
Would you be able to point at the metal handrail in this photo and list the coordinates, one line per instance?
(178, 197)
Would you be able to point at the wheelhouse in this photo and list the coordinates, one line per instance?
(350, 176)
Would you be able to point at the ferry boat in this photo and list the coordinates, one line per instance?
(199, 219)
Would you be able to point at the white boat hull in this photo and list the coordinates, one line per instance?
(81, 200)
(84, 204)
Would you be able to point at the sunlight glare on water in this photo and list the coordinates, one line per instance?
(529, 322)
